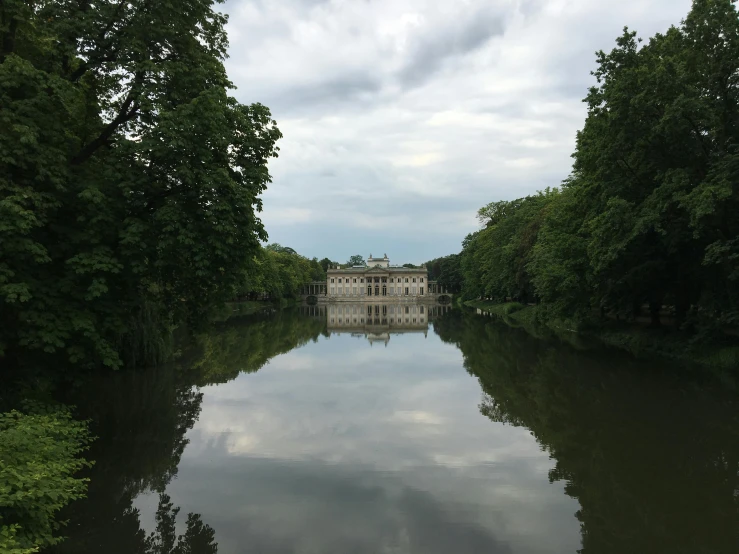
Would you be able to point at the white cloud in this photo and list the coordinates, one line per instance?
(413, 108)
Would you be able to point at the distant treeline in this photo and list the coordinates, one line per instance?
(278, 272)
(649, 218)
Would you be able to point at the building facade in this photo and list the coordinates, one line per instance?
(377, 281)
(373, 282)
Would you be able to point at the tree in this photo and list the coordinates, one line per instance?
(356, 259)
(326, 264)
(129, 179)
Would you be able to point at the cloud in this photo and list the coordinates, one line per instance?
(396, 113)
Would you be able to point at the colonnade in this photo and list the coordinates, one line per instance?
(320, 288)
(317, 288)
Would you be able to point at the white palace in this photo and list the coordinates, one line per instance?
(378, 280)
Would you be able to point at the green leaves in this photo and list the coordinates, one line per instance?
(650, 214)
(39, 457)
(129, 179)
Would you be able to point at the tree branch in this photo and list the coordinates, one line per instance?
(111, 55)
(129, 109)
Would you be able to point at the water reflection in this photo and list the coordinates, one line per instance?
(377, 322)
(282, 433)
(652, 460)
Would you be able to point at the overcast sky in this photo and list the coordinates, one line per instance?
(402, 117)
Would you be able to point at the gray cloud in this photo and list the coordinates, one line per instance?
(398, 107)
(458, 38)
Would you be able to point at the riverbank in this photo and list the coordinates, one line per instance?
(248, 307)
(641, 341)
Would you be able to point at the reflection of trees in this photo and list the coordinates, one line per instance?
(141, 420)
(245, 344)
(653, 461)
(199, 538)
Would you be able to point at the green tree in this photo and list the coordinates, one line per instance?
(129, 179)
(326, 264)
(356, 259)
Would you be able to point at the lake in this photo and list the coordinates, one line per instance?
(396, 428)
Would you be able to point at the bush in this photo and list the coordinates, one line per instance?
(39, 456)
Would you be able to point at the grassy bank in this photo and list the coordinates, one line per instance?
(640, 340)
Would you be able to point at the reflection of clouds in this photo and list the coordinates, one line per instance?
(393, 408)
(338, 447)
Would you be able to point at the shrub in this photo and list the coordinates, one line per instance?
(39, 456)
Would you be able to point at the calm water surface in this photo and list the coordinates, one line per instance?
(338, 431)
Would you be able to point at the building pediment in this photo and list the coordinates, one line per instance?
(377, 270)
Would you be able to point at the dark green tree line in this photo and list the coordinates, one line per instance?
(649, 218)
(278, 272)
(129, 178)
(446, 271)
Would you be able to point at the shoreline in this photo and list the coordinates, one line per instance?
(664, 343)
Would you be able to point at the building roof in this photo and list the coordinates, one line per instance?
(379, 270)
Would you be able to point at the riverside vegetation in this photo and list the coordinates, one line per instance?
(646, 228)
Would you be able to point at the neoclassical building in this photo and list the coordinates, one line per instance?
(378, 280)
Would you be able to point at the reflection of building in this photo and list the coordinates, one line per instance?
(376, 321)
(378, 279)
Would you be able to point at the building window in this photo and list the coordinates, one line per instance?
(392, 291)
(332, 279)
(333, 290)
(377, 290)
(354, 281)
(384, 290)
(406, 280)
(406, 293)
(407, 310)
(421, 295)
(421, 307)
(377, 279)
(369, 291)
(339, 279)
(354, 289)
(422, 279)
(414, 279)
(384, 279)
(361, 280)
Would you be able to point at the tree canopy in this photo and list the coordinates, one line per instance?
(356, 259)
(129, 178)
(650, 214)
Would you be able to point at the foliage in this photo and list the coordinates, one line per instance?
(447, 272)
(129, 179)
(356, 259)
(279, 272)
(650, 215)
(39, 457)
(326, 264)
(494, 260)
